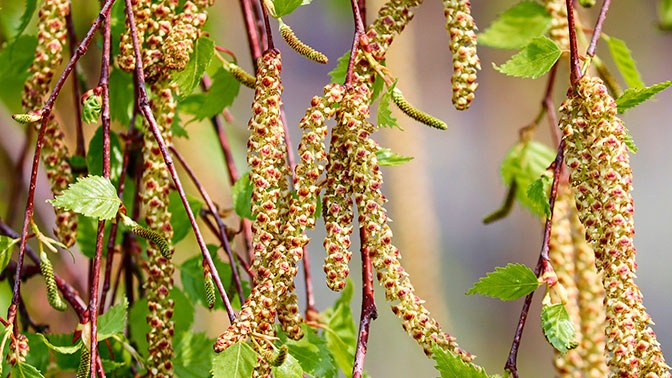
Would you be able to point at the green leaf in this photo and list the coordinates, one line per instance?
(87, 233)
(31, 5)
(6, 244)
(290, 368)
(632, 97)
(39, 352)
(24, 370)
(93, 196)
(452, 366)
(121, 95)
(517, 26)
(525, 162)
(387, 158)
(538, 192)
(237, 361)
(282, 8)
(623, 59)
(179, 218)
(508, 283)
(627, 139)
(15, 59)
(341, 331)
(94, 158)
(665, 14)
(385, 117)
(533, 60)
(311, 352)
(557, 327)
(222, 92)
(193, 354)
(60, 344)
(113, 321)
(338, 73)
(242, 196)
(187, 80)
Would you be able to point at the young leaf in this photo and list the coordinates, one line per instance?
(451, 366)
(24, 370)
(632, 97)
(537, 193)
(188, 79)
(242, 197)
(58, 346)
(31, 5)
(338, 73)
(193, 354)
(39, 352)
(290, 368)
(312, 353)
(113, 321)
(94, 158)
(385, 117)
(65, 353)
(508, 283)
(387, 158)
(179, 218)
(517, 26)
(282, 8)
(623, 59)
(93, 196)
(237, 361)
(6, 244)
(627, 139)
(533, 60)
(557, 327)
(340, 330)
(222, 92)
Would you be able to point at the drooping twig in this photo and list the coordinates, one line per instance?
(359, 32)
(598, 28)
(575, 66)
(45, 113)
(368, 311)
(143, 105)
(511, 364)
(218, 219)
(252, 29)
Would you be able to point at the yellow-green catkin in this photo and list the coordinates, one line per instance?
(602, 180)
(51, 36)
(299, 47)
(559, 31)
(462, 30)
(47, 270)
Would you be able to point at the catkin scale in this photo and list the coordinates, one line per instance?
(53, 297)
(416, 114)
(299, 47)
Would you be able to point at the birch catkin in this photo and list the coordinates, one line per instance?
(601, 176)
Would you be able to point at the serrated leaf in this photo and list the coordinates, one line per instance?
(179, 218)
(632, 97)
(6, 244)
(93, 196)
(507, 283)
(524, 163)
(627, 139)
(451, 366)
(284, 7)
(94, 158)
(290, 368)
(385, 117)
(222, 92)
(533, 60)
(237, 361)
(517, 26)
(338, 73)
(189, 78)
(311, 352)
(242, 196)
(558, 328)
(57, 347)
(537, 193)
(65, 361)
(625, 63)
(24, 370)
(387, 158)
(341, 331)
(31, 5)
(113, 321)
(193, 355)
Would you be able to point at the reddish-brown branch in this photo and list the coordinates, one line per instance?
(511, 364)
(218, 219)
(46, 113)
(598, 28)
(143, 105)
(252, 29)
(368, 311)
(575, 65)
(359, 32)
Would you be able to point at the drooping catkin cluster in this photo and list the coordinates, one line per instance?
(559, 31)
(462, 30)
(602, 180)
(51, 36)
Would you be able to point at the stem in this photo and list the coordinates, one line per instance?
(369, 311)
(143, 105)
(46, 112)
(251, 28)
(511, 365)
(76, 91)
(575, 66)
(269, 33)
(218, 219)
(598, 28)
(359, 31)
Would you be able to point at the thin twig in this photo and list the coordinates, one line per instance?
(575, 66)
(368, 311)
(252, 30)
(269, 33)
(218, 219)
(143, 105)
(598, 28)
(359, 32)
(217, 232)
(511, 364)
